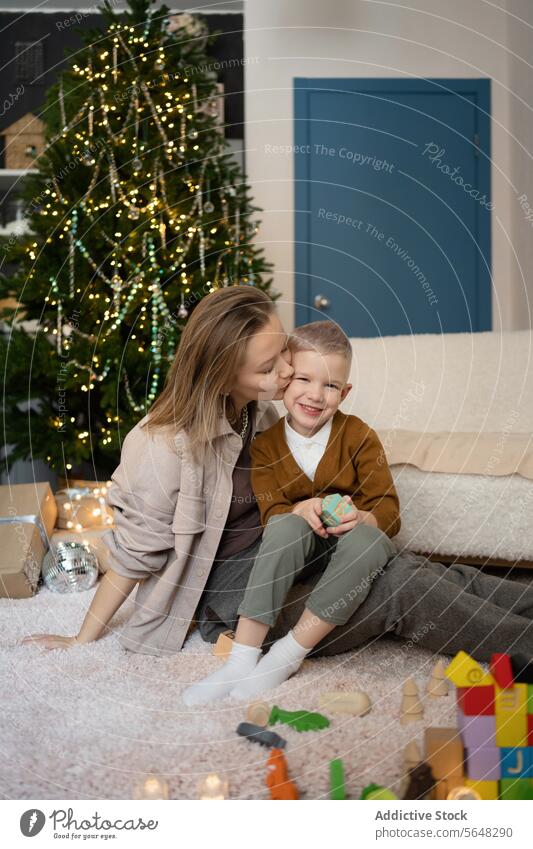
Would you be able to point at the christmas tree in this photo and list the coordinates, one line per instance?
(136, 212)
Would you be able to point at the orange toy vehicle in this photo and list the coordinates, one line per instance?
(277, 779)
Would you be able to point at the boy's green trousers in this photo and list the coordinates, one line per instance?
(290, 550)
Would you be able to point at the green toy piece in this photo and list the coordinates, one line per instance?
(300, 720)
(516, 788)
(334, 507)
(336, 780)
(377, 792)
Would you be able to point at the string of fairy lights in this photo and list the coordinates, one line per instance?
(140, 144)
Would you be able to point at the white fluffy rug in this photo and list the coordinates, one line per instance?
(88, 722)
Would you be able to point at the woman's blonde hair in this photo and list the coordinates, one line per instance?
(210, 352)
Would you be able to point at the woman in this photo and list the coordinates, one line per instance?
(179, 506)
(187, 527)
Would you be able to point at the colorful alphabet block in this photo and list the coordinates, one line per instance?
(516, 762)
(476, 701)
(530, 698)
(501, 670)
(516, 788)
(476, 731)
(484, 764)
(529, 730)
(464, 671)
(495, 725)
(511, 716)
(486, 789)
(334, 508)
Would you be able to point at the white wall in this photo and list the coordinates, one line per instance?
(373, 38)
(520, 41)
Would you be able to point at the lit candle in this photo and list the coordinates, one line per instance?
(213, 787)
(464, 794)
(151, 787)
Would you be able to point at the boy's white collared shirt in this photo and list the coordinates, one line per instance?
(308, 450)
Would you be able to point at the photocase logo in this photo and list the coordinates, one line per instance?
(32, 822)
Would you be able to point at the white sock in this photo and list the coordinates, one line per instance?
(283, 660)
(241, 661)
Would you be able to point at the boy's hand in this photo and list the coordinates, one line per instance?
(310, 510)
(350, 520)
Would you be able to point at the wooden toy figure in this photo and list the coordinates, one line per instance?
(421, 783)
(277, 778)
(412, 755)
(355, 703)
(411, 708)
(223, 645)
(258, 713)
(438, 684)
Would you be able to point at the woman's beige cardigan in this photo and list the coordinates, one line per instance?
(169, 516)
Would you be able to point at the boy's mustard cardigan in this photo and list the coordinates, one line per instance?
(353, 464)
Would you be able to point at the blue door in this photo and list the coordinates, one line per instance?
(392, 199)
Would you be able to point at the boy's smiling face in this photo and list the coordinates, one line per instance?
(317, 387)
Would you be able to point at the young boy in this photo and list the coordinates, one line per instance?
(313, 451)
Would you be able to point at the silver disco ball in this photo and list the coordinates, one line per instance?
(69, 567)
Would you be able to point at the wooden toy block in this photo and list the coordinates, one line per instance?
(334, 508)
(336, 780)
(355, 703)
(223, 645)
(444, 785)
(476, 731)
(444, 753)
(516, 762)
(511, 716)
(516, 788)
(437, 685)
(464, 671)
(476, 701)
(522, 667)
(486, 789)
(529, 729)
(483, 764)
(258, 713)
(529, 708)
(501, 670)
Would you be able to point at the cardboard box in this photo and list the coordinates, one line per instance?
(78, 509)
(90, 537)
(27, 517)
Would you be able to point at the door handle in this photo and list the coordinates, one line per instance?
(321, 302)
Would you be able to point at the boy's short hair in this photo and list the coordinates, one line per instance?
(324, 337)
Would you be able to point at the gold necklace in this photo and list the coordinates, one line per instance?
(245, 422)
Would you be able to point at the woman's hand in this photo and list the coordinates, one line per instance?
(310, 510)
(51, 641)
